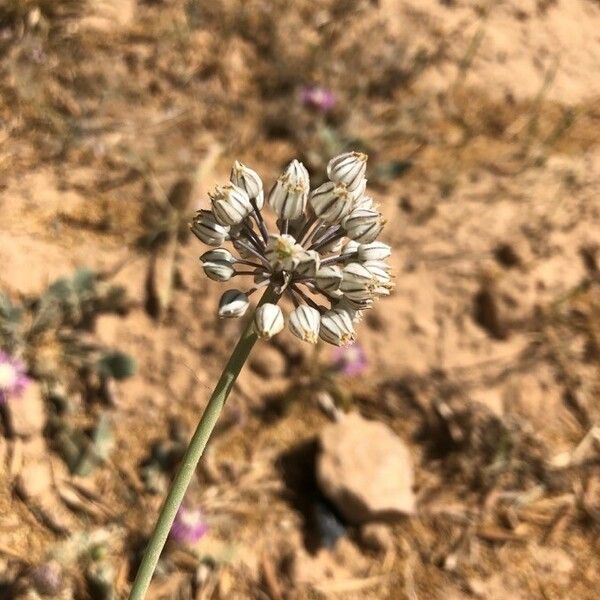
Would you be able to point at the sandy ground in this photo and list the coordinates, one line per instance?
(492, 111)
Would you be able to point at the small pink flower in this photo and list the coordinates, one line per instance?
(318, 97)
(13, 378)
(350, 360)
(189, 526)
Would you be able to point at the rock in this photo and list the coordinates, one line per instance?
(27, 415)
(108, 15)
(35, 480)
(268, 362)
(377, 537)
(365, 470)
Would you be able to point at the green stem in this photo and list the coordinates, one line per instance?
(193, 454)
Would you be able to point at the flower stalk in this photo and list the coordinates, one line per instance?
(308, 252)
(194, 453)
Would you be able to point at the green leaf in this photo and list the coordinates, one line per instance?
(61, 289)
(392, 170)
(8, 311)
(117, 365)
(84, 280)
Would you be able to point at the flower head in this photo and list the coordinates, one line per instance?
(325, 254)
(189, 526)
(13, 378)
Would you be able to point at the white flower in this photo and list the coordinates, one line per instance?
(363, 225)
(374, 251)
(207, 230)
(337, 327)
(332, 201)
(308, 264)
(248, 179)
(283, 252)
(221, 254)
(233, 304)
(329, 278)
(268, 320)
(218, 270)
(351, 308)
(348, 168)
(327, 251)
(304, 322)
(290, 192)
(357, 282)
(350, 249)
(230, 204)
(365, 202)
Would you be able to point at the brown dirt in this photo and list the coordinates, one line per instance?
(486, 359)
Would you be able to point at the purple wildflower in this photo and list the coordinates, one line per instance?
(189, 526)
(350, 360)
(13, 379)
(318, 97)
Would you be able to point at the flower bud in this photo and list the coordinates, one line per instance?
(309, 264)
(352, 305)
(357, 282)
(290, 192)
(230, 204)
(233, 304)
(348, 168)
(304, 322)
(364, 202)
(349, 249)
(380, 269)
(363, 225)
(374, 251)
(283, 252)
(221, 254)
(248, 179)
(207, 230)
(335, 246)
(329, 278)
(218, 270)
(332, 201)
(349, 306)
(336, 327)
(268, 321)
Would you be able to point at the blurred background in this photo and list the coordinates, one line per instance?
(453, 452)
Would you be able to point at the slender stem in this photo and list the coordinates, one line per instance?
(254, 253)
(193, 454)
(306, 298)
(304, 234)
(248, 263)
(252, 236)
(260, 221)
(341, 258)
(325, 234)
(256, 272)
(257, 287)
(329, 240)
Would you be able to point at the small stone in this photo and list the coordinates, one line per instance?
(26, 415)
(377, 537)
(35, 480)
(267, 361)
(365, 470)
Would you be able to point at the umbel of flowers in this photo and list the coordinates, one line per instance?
(325, 254)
